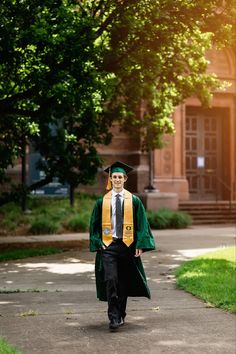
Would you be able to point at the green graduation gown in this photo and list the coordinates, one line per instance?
(143, 239)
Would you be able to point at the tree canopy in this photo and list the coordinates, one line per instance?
(69, 68)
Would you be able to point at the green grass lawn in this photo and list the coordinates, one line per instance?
(6, 348)
(211, 277)
(25, 253)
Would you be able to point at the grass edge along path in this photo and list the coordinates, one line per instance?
(30, 252)
(6, 348)
(211, 277)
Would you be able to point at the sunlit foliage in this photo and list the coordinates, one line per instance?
(69, 68)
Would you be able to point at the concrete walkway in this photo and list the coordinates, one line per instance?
(56, 310)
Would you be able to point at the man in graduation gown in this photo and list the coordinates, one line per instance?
(119, 232)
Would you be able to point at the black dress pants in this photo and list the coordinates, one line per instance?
(117, 262)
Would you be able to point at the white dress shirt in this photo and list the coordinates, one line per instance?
(113, 209)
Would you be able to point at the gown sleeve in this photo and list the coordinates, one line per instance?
(95, 229)
(145, 240)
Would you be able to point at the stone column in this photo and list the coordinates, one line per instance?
(169, 162)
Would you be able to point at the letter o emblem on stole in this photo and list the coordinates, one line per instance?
(128, 228)
(106, 231)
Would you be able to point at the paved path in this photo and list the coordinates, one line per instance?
(69, 320)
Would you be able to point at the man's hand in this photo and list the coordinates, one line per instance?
(138, 252)
(103, 247)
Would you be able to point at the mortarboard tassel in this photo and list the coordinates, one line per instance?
(109, 186)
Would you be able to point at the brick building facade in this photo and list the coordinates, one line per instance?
(199, 161)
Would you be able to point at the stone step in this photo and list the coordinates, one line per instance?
(210, 212)
(212, 222)
(207, 206)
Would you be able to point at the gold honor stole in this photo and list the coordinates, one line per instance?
(128, 225)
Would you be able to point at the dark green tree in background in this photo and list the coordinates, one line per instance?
(52, 92)
(69, 68)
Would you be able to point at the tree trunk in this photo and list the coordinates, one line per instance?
(23, 176)
(72, 196)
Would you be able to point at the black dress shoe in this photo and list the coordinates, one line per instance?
(122, 321)
(113, 325)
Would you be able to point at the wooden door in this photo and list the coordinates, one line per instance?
(203, 153)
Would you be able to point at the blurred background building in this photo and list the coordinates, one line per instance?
(196, 171)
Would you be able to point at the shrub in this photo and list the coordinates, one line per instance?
(79, 222)
(48, 215)
(10, 218)
(158, 220)
(180, 220)
(168, 219)
(43, 225)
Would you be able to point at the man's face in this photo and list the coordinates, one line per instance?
(118, 179)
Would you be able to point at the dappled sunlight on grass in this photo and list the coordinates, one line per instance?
(211, 277)
(196, 273)
(190, 253)
(228, 253)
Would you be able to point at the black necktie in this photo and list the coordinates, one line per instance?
(119, 221)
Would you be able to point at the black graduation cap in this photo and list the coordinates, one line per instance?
(117, 166)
